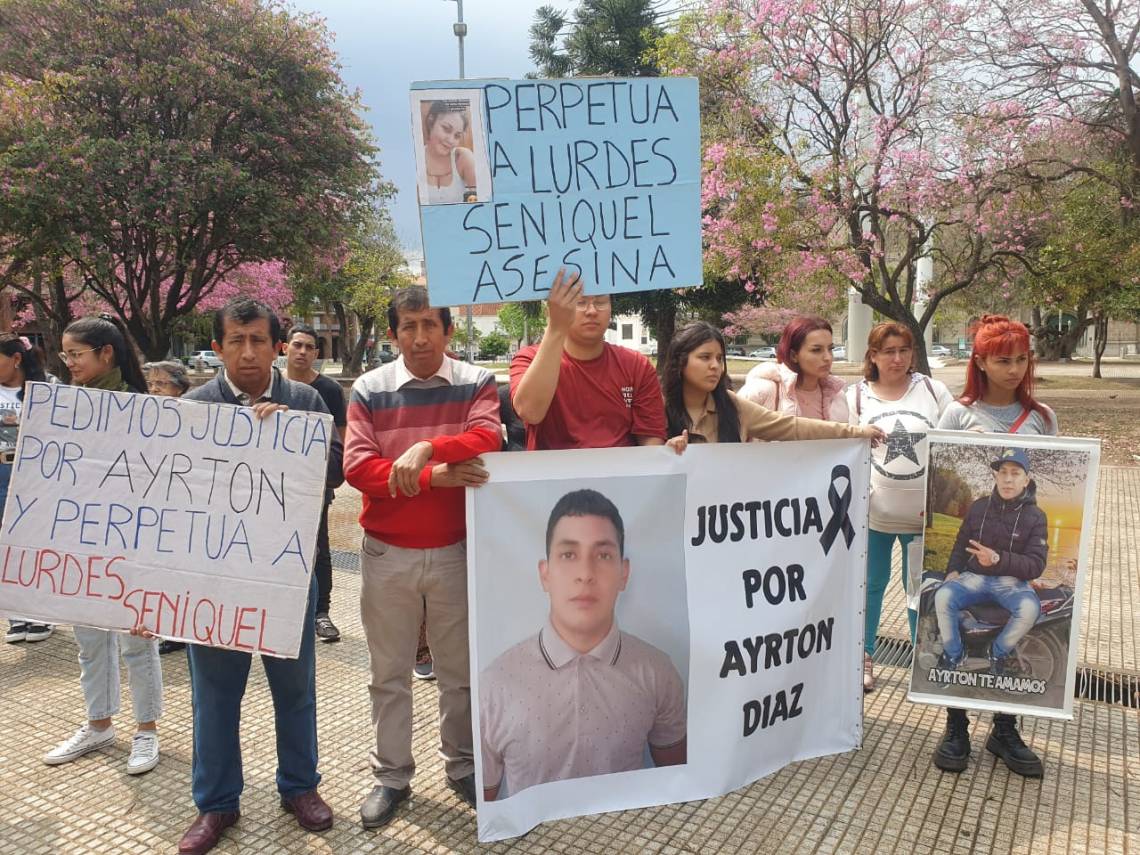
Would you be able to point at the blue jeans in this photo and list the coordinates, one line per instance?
(5, 479)
(879, 546)
(1012, 594)
(217, 680)
(99, 672)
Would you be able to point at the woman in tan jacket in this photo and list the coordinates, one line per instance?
(700, 407)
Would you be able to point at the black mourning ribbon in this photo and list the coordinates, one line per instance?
(840, 504)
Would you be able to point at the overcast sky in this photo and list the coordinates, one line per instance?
(386, 45)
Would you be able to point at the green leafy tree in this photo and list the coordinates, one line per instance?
(459, 336)
(622, 38)
(493, 345)
(599, 37)
(357, 282)
(522, 323)
(1090, 261)
(164, 143)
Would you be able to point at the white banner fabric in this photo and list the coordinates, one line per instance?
(744, 580)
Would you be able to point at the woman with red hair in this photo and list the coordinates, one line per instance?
(801, 382)
(998, 399)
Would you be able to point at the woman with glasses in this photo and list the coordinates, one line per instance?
(168, 378)
(19, 364)
(700, 407)
(98, 354)
(905, 405)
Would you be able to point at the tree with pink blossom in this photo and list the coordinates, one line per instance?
(173, 147)
(865, 118)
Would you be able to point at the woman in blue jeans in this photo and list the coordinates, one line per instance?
(98, 354)
(904, 405)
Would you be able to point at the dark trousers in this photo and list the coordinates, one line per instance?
(322, 567)
(217, 680)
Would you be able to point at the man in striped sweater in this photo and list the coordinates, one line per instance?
(416, 428)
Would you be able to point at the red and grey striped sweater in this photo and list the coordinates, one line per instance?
(387, 415)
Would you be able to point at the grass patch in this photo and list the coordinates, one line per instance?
(938, 542)
(1063, 382)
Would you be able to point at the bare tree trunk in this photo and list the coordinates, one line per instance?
(1039, 344)
(5, 311)
(355, 359)
(342, 321)
(1100, 341)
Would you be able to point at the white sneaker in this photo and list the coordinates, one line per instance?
(38, 632)
(85, 740)
(144, 752)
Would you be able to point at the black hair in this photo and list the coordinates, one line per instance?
(304, 329)
(98, 331)
(585, 503)
(10, 345)
(414, 298)
(442, 108)
(245, 310)
(673, 384)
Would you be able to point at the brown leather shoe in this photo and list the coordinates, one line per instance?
(205, 832)
(311, 811)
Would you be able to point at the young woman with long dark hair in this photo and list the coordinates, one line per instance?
(99, 355)
(18, 365)
(700, 406)
(998, 398)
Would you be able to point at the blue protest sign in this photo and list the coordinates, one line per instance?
(518, 178)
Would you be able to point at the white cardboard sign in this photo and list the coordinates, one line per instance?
(193, 519)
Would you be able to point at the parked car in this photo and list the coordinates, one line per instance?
(839, 353)
(381, 357)
(734, 351)
(763, 353)
(940, 350)
(205, 357)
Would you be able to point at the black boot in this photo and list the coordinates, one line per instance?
(1003, 666)
(953, 753)
(1006, 743)
(945, 663)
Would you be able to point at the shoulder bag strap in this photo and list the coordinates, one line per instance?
(1013, 428)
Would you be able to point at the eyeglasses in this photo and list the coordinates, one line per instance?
(904, 352)
(598, 303)
(69, 356)
(159, 384)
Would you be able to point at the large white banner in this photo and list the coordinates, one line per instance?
(195, 520)
(649, 628)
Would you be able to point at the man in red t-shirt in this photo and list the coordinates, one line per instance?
(575, 390)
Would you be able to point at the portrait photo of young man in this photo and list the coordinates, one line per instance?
(580, 697)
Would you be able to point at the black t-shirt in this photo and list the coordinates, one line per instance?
(333, 396)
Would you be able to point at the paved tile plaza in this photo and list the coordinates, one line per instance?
(884, 798)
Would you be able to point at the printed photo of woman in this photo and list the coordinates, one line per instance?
(450, 148)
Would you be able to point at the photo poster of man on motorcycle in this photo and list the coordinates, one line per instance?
(1005, 563)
